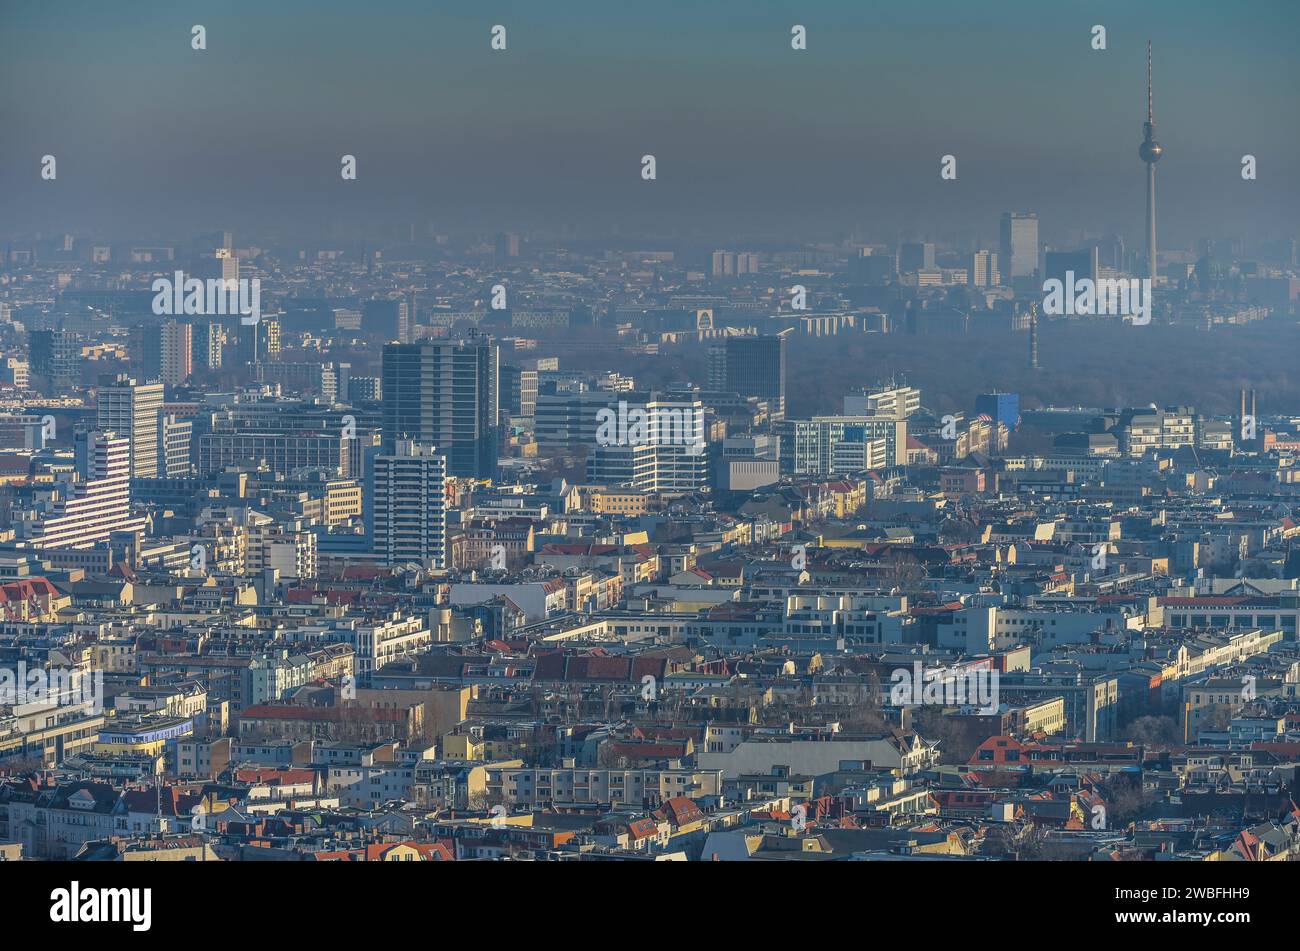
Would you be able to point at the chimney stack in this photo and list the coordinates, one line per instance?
(1241, 421)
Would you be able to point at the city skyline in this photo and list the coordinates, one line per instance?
(782, 432)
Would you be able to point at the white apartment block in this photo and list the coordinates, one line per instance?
(77, 514)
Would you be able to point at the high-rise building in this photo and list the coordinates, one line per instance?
(871, 267)
(733, 264)
(984, 269)
(659, 445)
(228, 263)
(1082, 263)
(518, 390)
(569, 418)
(133, 410)
(917, 256)
(1001, 408)
(80, 512)
(387, 320)
(410, 499)
(1111, 253)
(506, 246)
(206, 339)
(174, 436)
(55, 360)
(1019, 251)
(842, 444)
(444, 394)
(1247, 423)
(751, 366)
(169, 352)
(259, 342)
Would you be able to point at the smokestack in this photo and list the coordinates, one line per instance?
(1241, 420)
(1252, 407)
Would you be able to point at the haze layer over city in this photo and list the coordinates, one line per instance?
(776, 432)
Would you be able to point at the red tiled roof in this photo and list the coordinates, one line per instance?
(26, 588)
(274, 777)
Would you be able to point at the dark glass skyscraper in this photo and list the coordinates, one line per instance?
(444, 394)
(387, 320)
(752, 366)
(55, 360)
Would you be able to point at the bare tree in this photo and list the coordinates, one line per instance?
(1154, 731)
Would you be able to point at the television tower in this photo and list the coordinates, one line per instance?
(1150, 151)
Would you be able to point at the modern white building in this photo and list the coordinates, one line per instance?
(133, 410)
(78, 511)
(410, 502)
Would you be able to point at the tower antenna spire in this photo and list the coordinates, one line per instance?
(1150, 110)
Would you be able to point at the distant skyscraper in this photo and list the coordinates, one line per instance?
(751, 366)
(671, 459)
(223, 265)
(410, 499)
(1019, 254)
(872, 268)
(259, 342)
(387, 319)
(984, 269)
(174, 438)
(1111, 253)
(518, 390)
(169, 351)
(133, 410)
(1083, 263)
(1150, 151)
(55, 360)
(206, 339)
(915, 257)
(731, 264)
(842, 444)
(506, 246)
(444, 394)
(1002, 408)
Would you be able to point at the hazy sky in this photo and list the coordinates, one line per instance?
(749, 135)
